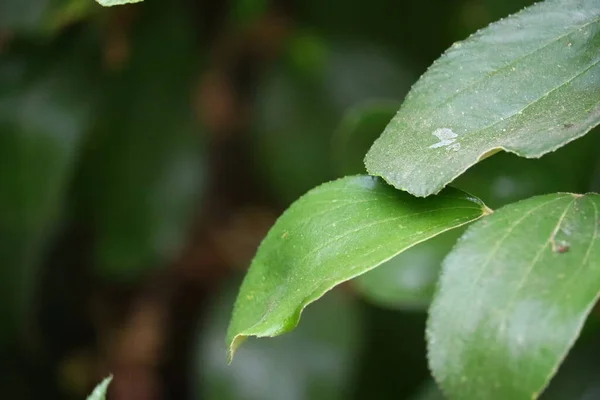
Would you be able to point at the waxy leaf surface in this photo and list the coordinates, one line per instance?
(513, 297)
(334, 233)
(527, 84)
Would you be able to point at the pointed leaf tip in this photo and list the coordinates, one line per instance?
(99, 392)
(334, 233)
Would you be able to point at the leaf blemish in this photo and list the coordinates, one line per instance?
(447, 139)
(560, 247)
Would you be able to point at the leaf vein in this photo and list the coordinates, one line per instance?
(499, 244)
(516, 60)
(595, 236)
(534, 262)
(274, 299)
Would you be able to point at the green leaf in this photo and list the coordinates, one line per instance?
(527, 84)
(513, 297)
(99, 392)
(408, 280)
(325, 350)
(109, 3)
(500, 180)
(334, 233)
(506, 178)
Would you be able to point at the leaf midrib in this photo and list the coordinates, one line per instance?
(353, 273)
(376, 197)
(276, 298)
(510, 230)
(512, 63)
(511, 302)
(521, 111)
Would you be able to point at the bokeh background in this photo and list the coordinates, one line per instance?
(145, 150)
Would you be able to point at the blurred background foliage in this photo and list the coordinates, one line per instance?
(145, 150)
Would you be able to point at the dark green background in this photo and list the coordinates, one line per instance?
(146, 149)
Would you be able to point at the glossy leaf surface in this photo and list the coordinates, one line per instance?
(506, 178)
(334, 233)
(527, 84)
(513, 297)
(408, 280)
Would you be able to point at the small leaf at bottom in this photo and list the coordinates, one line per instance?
(99, 392)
